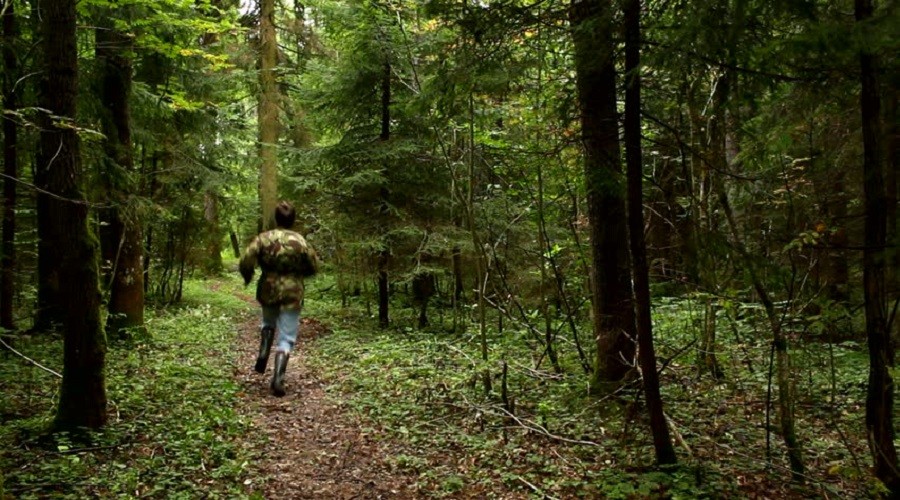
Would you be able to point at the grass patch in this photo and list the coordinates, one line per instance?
(173, 430)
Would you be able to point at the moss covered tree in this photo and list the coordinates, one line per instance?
(82, 398)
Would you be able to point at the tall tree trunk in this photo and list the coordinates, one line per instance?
(383, 290)
(456, 259)
(782, 357)
(880, 395)
(268, 114)
(716, 148)
(665, 454)
(481, 268)
(892, 135)
(48, 311)
(613, 312)
(213, 261)
(10, 169)
(689, 229)
(82, 398)
(126, 299)
(456, 262)
(385, 253)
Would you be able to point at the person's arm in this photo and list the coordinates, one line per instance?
(248, 260)
(313, 259)
(306, 263)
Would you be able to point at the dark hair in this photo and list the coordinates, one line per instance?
(285, 214)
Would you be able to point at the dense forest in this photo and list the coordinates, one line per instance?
(574, 248)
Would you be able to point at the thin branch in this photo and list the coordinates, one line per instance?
(677, 435)
(26, 358)
(536, 489)
(53, 195)
(534, 426)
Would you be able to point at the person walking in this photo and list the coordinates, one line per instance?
(285, 259)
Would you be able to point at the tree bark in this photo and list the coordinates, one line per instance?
(383, 291)
(48, 311)
(125, 242)
(10, 169)
(613, 312)
(384, 254)
(665, 453)
(892, 136)
(82, 398)
(880, 394)
(268, 114)
(213, 262)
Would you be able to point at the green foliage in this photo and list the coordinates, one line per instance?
(175, 426)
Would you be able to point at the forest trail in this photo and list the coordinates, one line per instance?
(315, 448)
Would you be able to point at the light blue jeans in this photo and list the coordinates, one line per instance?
(286, 322)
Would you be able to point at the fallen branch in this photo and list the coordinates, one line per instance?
(536, 489)
(26, 358)
(86, 450)
(534, 426)
(679, 439)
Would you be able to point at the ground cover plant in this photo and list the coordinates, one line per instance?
(546, 436)
(175, 428)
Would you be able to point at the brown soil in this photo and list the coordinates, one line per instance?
(314, 448)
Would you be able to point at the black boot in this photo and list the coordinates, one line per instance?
(266, 336)
(281, 361)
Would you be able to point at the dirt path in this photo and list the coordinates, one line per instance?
(315, 448)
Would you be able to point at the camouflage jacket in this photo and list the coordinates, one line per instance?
(284, 258)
